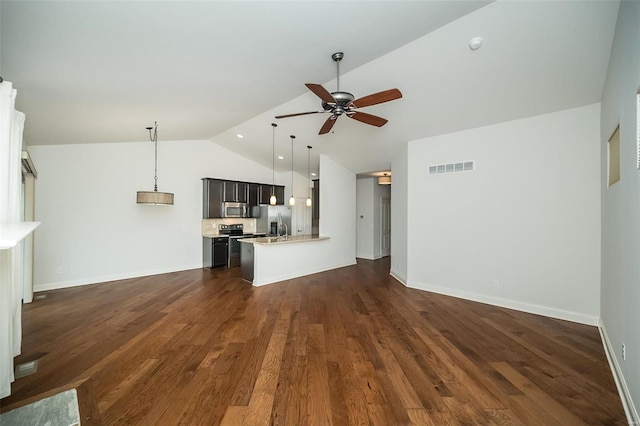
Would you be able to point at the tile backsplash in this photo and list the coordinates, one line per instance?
(210, 226)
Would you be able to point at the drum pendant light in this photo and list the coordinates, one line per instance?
(292, 200)
(154, 197)
(308, 175)
(273, 200)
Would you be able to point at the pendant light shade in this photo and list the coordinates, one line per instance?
(292, 200)
(308, 175)
(154, 197)
(384, 180)
(273, 200)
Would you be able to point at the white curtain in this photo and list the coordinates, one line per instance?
(11, 126)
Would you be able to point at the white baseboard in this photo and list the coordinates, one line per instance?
(627, 402)
(107, 278)
(510, 304)
(380, 256)
(398, 277)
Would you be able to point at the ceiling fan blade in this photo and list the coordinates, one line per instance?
(377, 98)
(363, 117)
(298, 113)
(321, 92)
(326, 127)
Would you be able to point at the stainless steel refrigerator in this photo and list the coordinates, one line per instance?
(274, 220)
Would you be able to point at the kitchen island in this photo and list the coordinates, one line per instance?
(266, 260)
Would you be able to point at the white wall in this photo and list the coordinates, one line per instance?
(620, 294)
(528, 216)
(280, 262)
(365, 218)
(92, 228)
(400, 215)
(338, 211)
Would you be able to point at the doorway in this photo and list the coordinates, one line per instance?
(385, 226)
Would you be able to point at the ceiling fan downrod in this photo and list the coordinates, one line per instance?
(337, 57)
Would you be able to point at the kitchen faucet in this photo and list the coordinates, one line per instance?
(286, 231)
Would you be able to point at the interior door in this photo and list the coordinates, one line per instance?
(385, 226)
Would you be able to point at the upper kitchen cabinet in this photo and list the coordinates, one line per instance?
(280, 195)
(253, 199)
(212, 198)
(316, 199)
(235, 192)
(264, 194)
(266, 191)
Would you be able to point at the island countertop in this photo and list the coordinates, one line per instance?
(283, 240)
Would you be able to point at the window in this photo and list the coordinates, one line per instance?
(613, 154)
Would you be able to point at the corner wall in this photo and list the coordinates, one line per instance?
(400, 215)
(337, 213)
(620, 293)
(523, 229)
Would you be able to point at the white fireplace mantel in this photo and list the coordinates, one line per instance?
(11, 233)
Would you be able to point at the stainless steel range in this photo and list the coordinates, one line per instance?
(235, 233)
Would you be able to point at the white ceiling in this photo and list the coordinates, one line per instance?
(93, 71)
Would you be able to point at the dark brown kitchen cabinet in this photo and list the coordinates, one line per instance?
(264, 194)
(266, 191)
(215, 192)
(253, 199)
(241, 192)
(212, 198)
(315, 200)
(280, 195)
(235, 192)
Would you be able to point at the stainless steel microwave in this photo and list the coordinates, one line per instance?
(234, 209)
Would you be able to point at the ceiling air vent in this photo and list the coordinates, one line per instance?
(464, 166)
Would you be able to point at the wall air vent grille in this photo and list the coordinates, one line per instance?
(465, 166)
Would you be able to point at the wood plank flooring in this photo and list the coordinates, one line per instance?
(345, 347)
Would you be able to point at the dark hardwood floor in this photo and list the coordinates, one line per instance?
(349, 346)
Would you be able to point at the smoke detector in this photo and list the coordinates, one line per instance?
(475, 43)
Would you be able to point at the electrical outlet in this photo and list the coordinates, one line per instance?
(59, 269)
(624, 352)
(496, 283)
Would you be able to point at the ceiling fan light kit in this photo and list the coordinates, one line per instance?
(340, 103)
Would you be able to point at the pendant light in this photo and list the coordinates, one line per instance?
(292, 200)
(273, 199)
(384, 180)
(154, 197)
(308, 175)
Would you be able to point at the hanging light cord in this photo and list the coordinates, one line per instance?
(292, 138)
(154, 139)
(273, 159)
(308, 171)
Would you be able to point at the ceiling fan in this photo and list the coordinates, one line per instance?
(344, 103)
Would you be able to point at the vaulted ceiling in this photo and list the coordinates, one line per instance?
(90, 72)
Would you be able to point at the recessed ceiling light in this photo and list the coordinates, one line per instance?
(240, 136)
(475, 43)
(280, 157)
(313, 174)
